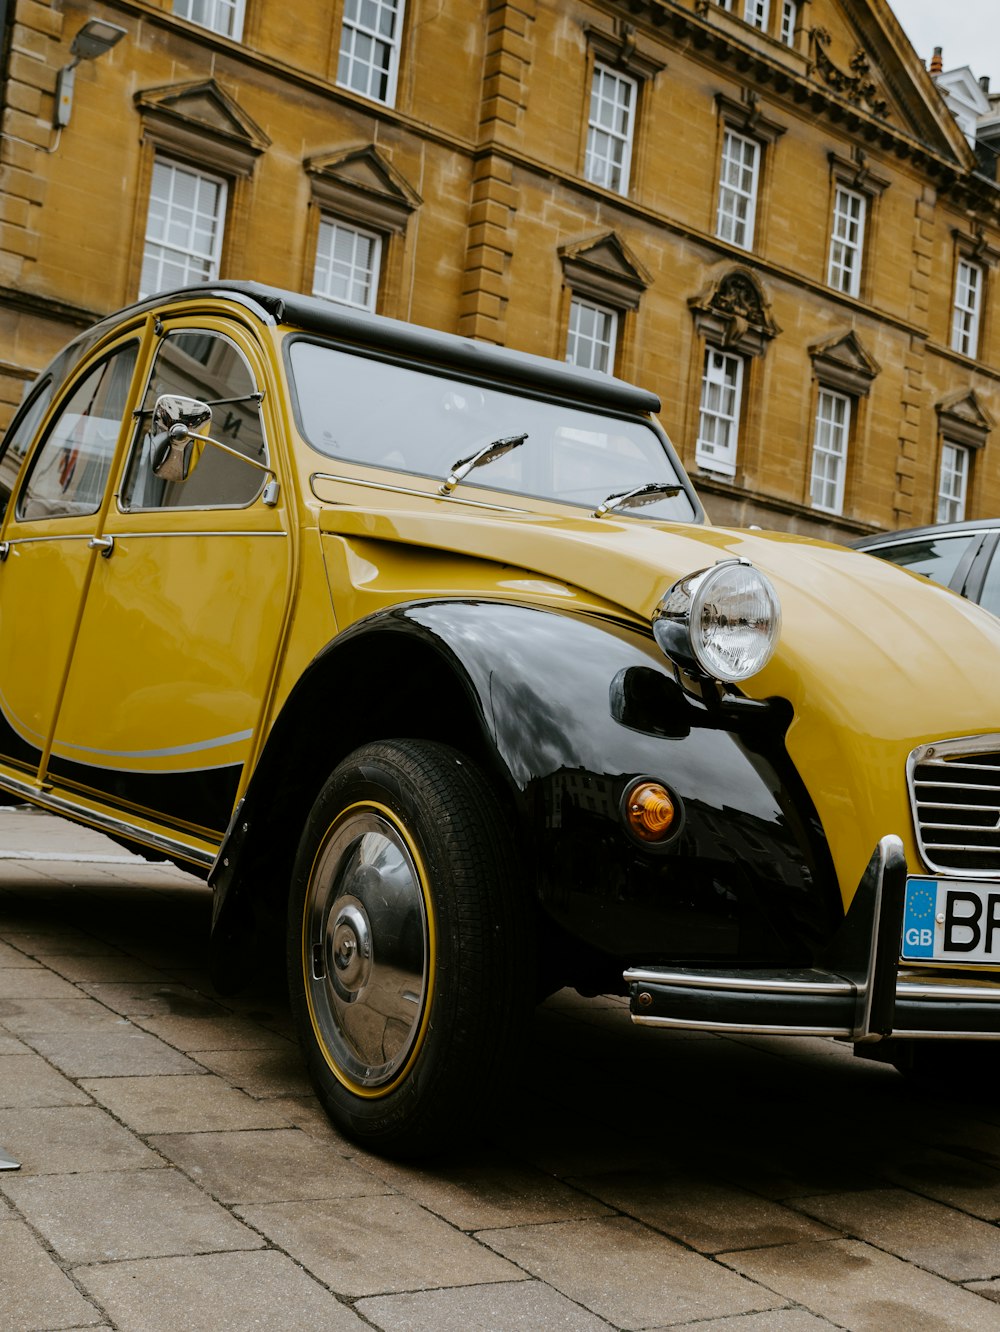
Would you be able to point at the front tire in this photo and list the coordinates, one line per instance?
(410, 962)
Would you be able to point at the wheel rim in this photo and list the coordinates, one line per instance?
(367, 950)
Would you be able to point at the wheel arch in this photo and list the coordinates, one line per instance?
(386, 677)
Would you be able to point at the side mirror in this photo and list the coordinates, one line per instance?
(175, 447)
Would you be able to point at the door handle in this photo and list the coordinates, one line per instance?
(105, 544)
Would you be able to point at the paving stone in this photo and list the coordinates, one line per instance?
(226, 1292)
(33, 983)
(28, 1080)
(708, 1217)
(972, 1187)
(777, 1320)
(371, 1246)
(63, 942)
(116, 1215)
(990, 1290)
(34, 1291)
(105, 967)
(861, 1288)
(13, 957)
(71, 1139)
(27, 1016)
(181, 1104)
(273, 1071)
(145, 998)
(923, 1232)
(272, 1165)
(222, 1031)
(113, 1048)
(488, 1194)
(627, 1273)
(10, 1045)
(525, 1306)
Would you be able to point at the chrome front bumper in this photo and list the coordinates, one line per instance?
(857, 992)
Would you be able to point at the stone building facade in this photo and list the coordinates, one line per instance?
(763, 210)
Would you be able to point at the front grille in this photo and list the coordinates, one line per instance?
(955, 796)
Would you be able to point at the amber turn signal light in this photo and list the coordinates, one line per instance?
(650, 812)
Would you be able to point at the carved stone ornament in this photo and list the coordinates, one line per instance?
(963, 420)
(858, 86)
(843, 363)
(734, 313)
(620, 50)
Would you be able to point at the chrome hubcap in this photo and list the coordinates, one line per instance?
(366, 949)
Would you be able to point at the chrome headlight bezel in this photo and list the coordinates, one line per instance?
(730, 646)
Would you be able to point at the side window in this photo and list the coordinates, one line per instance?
(206, 366)
(18, 440)
(937, 558)
(989, 598)
(70, 469)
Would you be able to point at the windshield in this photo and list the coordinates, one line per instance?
(358, 409)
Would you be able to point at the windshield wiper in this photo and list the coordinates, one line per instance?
(634, 499)
(464, 466)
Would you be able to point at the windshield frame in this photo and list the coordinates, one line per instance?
(510, 389)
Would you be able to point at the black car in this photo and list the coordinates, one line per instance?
(956, 555)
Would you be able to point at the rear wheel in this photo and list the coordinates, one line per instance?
(410, 964)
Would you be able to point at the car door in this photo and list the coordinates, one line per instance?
(53, 512)
(174, 660)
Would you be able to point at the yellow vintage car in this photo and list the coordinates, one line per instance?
(422, 652)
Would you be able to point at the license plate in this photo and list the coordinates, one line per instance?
(951, 920)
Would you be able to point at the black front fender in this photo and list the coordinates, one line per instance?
(563, 711)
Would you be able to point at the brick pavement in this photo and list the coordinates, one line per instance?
(177, 1175)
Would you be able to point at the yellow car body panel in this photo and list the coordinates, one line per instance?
(249, 603)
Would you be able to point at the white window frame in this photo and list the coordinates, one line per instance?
(360, 45)
(609, 148)
(953, 482)
(847, 240)
(757, 13)
(326, 264)
(739, 171)
(592, 348)
(222, 16)
(187, 254)
(719, 412)
(789, 18)
(966, 306)
(831, 440)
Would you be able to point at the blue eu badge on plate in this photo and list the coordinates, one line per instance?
(918, 918)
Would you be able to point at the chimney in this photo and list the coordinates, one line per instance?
(937, 64)
(984, 83)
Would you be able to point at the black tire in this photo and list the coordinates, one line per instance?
(410, 961)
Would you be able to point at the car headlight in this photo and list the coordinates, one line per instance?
(723, 621)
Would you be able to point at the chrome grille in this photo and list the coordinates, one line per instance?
(955, 797)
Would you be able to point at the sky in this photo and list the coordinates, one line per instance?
(968, 31)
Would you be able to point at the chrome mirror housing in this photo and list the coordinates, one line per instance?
(174, 442)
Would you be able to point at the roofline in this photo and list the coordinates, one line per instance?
(274, 306)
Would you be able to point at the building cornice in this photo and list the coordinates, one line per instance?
(721, 46)
(26, 302)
